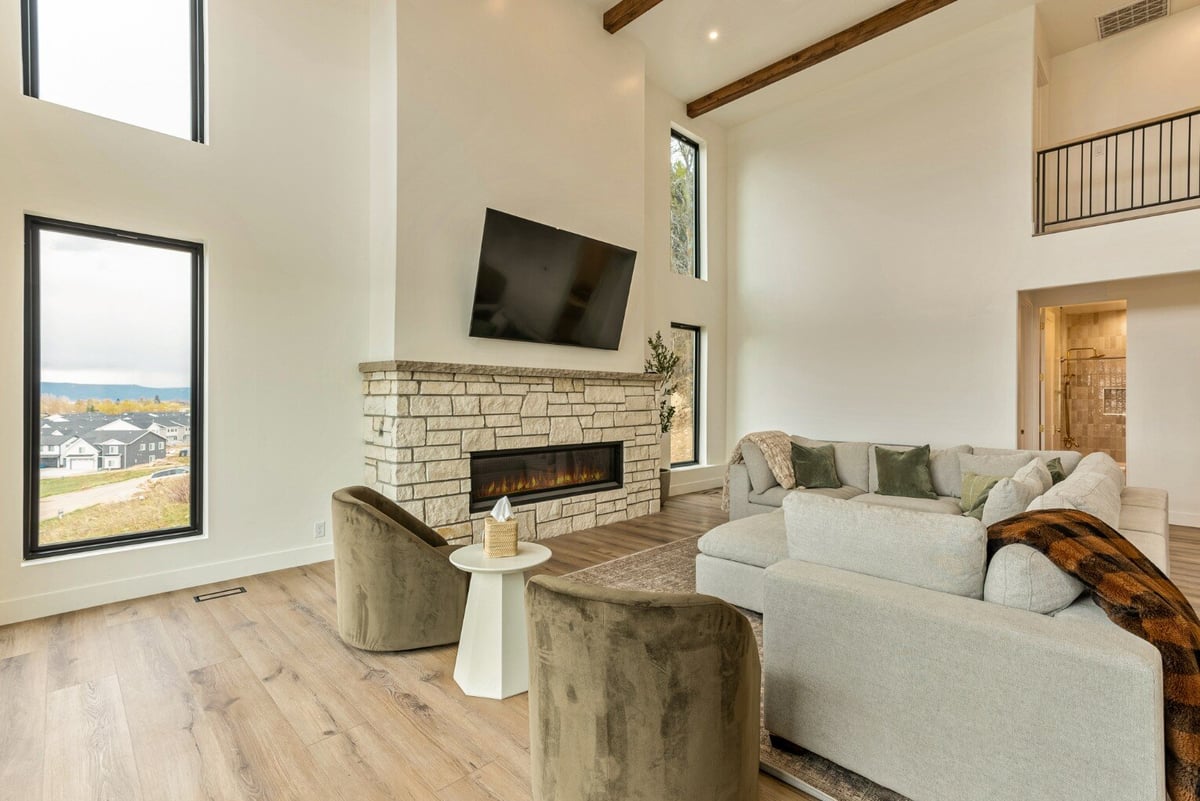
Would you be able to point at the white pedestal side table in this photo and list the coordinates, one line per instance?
(493, 651)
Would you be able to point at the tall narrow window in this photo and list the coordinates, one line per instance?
(685, 433)
(685, 205)
(113, 349)
(136, 61)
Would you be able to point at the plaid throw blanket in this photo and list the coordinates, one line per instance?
(776, 447)
(1136, 596)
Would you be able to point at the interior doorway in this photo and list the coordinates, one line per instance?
(1082, 378)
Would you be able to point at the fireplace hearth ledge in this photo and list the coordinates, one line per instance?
(489, 369)
(423, 420)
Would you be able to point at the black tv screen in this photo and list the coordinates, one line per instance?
(542, 284)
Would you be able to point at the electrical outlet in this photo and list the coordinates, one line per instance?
(319, 530)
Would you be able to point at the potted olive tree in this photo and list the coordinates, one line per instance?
(663, 361)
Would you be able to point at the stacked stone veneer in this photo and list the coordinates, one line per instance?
(423, 420)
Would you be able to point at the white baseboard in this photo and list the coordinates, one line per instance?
(682, 483)
(1185, 519)
(14, 610)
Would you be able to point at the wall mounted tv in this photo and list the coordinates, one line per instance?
(542, 284)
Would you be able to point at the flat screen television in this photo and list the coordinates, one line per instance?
(542, 284)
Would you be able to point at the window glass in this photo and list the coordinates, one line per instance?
(101, 376)
(685, 431)
(685, 205)
(136, 61)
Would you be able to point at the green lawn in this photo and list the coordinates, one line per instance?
(57, 486)
(164, 505)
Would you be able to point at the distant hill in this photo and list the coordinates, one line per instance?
(115, 392)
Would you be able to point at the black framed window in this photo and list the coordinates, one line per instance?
(685, 205)
(113, 393)
(685, 432)
(136, 61)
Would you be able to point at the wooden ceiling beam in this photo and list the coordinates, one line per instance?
(883, 22)
(626, 12)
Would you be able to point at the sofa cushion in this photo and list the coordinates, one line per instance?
(772, 497)
(946, 553)
(1104, 464)
(975, 489)
(1069, 459)
(775, 495)
(945, 469)
(1144, 496)
(1152, 544)
(1094, 493)
(1024, 578)
(849, 458)
(1009, 497)
(993, 464)
(757, 540)
(1143, 518)
(761, 477)
(814, 467)
(941, 506)
(1036, 471)
(904, 473)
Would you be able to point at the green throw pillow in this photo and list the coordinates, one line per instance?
(814, 467)
(975, 489)
(1056, 469)
(904, 473)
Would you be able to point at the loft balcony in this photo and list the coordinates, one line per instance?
(1151, 167)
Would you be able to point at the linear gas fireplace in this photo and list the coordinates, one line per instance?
(527, 475)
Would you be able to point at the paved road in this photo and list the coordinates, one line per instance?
(70, 501)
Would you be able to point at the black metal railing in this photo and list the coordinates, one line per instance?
(1145, 166)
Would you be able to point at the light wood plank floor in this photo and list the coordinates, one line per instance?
(254, 696)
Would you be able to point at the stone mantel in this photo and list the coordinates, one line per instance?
(424, 420)
(488, 369)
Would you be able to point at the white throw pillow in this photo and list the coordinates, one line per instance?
(1024, 578)
(1008, 497)
(1104, 464)
(1094, 493)
(1037, 471)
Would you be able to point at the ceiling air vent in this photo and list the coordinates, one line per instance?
(1131, 16)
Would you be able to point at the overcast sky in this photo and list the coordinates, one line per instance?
(128, 60)
(114, 312)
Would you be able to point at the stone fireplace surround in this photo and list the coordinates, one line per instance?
(422, 421)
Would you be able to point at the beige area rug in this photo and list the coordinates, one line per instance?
(672, 568)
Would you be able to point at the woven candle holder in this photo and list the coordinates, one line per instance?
(499, 539)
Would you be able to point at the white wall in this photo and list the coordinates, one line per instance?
(530, 108)
(1148, 72)
(279, 197)
(683, 299)
(881, 232)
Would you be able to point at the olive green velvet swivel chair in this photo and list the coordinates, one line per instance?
(638, 696)
(396, 588)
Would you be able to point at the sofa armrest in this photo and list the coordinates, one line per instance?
(940, 696)
(739, 492)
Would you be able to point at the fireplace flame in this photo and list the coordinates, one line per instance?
(510, 485)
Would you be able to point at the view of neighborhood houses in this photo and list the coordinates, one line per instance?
(115, 421)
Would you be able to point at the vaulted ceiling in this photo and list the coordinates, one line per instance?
(687, 60)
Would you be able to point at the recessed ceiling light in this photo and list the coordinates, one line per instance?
(714, 35)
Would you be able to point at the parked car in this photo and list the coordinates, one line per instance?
(170, 471)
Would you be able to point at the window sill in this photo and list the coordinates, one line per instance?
(116, 549)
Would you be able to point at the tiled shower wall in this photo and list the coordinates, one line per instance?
(1097, 394)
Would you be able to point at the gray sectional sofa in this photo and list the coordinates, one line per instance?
(734, 557)
(893, 647)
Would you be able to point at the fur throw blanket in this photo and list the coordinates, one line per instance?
(1136, 596)
(776, 446)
